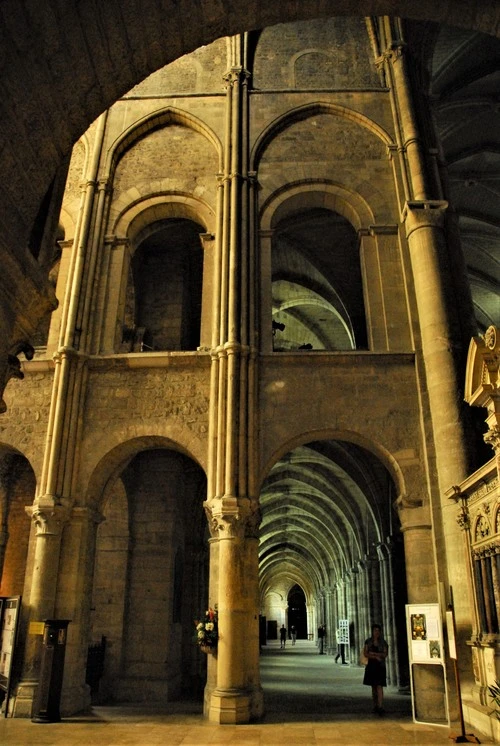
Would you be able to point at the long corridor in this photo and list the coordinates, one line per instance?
(310, 701)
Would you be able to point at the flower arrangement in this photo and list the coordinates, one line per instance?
(207, 630)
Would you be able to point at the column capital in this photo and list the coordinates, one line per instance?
(230, 517)
(424, 213)
(49, 517)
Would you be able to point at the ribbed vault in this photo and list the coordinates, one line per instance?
(326, 506)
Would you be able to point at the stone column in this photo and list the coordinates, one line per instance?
(213, 598)
(424, 222)
(438, 316)
(237, 692)
(49, 520)
(389, 620)
(233, 469)
(331, 643)
(73, 601)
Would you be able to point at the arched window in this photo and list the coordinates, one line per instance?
(164, 295)
(317, 292)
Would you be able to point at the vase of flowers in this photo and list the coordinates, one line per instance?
(207, 631)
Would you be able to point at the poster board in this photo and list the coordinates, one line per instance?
(343, 632)
(424, 629)
(425, 633)
(9, 620)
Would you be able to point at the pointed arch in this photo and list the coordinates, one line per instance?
(305, 112)
(156, 120)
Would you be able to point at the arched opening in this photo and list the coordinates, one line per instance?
(331, 549)
(297, 612)
(150, 580)
(317, 290)
(163, 307)
(17, 490)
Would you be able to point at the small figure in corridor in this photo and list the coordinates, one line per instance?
(321, 638)
(340, 648)
(282, 636)
(375, 651)
(293, 632)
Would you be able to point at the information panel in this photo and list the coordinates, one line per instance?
(425, 633)
(343, 632)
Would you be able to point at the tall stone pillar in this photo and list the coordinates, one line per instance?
(439, 349)
(424, 222)
(52, 506)
(213, 598)
(389, 620)
(49, 520)
(236, 696)
(331, 644)
(76, 576)
(233, 470)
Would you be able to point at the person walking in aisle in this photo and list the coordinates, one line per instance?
(321, 638)
(375, 651)
(282, 636)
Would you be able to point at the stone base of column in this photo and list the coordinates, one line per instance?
(256, 704)
(75, 699)
(229, 707)
(21, 702)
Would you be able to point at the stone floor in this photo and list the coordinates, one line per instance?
(310, 701)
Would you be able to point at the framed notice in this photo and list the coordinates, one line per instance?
(425, 633)
(343, 632)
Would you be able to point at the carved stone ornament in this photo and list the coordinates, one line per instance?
(492, 437)
(232, 517)
(48, 519)
(490, 337)
(482, 529)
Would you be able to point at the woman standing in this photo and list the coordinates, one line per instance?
(375, 651)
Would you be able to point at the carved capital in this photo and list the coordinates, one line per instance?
(492, 438)
(48, 517)
(231, 517)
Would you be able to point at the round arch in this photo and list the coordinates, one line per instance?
(312, 194)
(134, 222)
(384, 456)
(116, 458)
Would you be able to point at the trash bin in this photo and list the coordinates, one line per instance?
(48, 694)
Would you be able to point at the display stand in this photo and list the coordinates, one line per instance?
(425, 646)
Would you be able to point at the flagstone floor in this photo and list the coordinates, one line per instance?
(310, 701)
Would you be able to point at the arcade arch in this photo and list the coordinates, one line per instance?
(17, 490)
(329, 526)
(150, 577)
